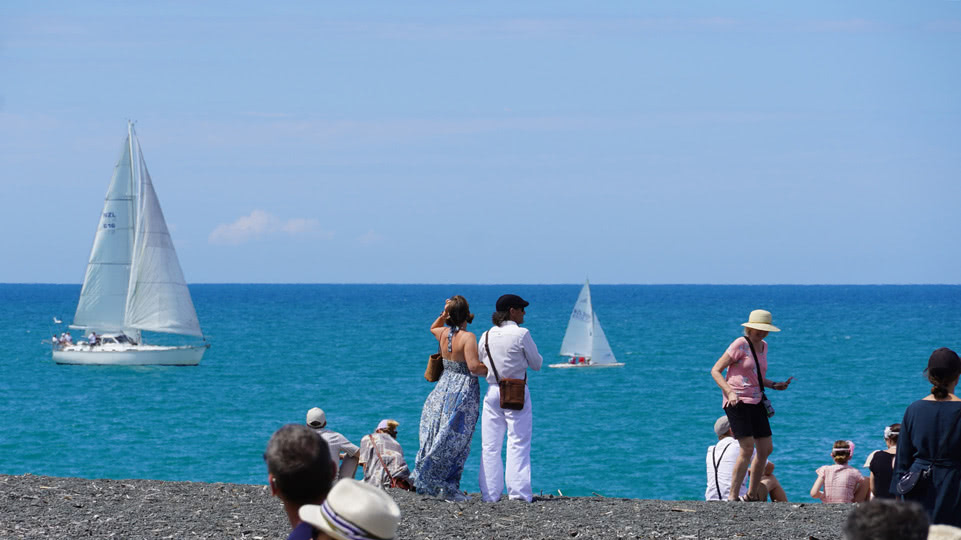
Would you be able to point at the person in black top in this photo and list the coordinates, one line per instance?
(930, 444)
(881, 463)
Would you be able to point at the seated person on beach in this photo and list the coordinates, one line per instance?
(842, 483)
(382, 457)
(317, 420)
(881, 464)
(720, 468)
(886, 519)
(353, 510)
(299, 471)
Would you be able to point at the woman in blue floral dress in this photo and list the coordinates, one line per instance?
(450, 413)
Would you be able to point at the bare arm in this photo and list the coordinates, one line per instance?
(437, 327)
(778, 385)
(861, 493)
(474, 364)
(816, 488)
(717, 372)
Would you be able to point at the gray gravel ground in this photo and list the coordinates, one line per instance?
(50, 507)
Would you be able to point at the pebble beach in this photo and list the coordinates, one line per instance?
(50, 507)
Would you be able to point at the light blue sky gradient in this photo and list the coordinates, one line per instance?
(493, 142)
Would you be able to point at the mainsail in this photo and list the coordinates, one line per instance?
(580, 328)
(104, 295)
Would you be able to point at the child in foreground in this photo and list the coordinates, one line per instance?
(841, 482)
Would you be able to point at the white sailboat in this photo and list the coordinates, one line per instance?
(585, 342)
(134, 281)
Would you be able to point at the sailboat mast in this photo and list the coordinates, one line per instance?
(135, 209)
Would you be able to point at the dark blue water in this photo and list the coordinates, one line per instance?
(359, 352)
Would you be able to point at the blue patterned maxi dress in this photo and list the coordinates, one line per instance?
(446, 427)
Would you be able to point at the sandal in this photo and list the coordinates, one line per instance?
(748, 498)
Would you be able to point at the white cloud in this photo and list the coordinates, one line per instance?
(259, 224)
(370, 237)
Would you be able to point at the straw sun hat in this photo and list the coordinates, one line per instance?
(761, 320)
(354, 511)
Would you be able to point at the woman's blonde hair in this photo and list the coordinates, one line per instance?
(841, 452)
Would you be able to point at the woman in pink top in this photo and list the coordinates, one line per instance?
(842, 483)
(742, 399)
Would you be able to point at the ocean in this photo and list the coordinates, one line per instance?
(359, 351)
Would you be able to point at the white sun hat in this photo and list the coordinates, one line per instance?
(316, 418)
(354, 511)
(761, 320)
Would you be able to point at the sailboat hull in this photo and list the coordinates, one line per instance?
(566, 365)
(146, 355)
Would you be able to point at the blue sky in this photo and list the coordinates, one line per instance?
(493, 142)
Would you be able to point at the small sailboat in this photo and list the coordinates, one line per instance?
(134, 281)
(585, 342)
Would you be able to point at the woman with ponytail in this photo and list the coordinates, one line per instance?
(450, 413)
(842, 483)
(929, 446)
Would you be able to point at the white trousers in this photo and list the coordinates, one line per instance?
(518, 425)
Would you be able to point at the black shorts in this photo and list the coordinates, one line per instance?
(748, 420)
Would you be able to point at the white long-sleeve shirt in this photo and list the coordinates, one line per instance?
(513, 350)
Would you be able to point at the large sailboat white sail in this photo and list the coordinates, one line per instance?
(585, 342)
(134, 281)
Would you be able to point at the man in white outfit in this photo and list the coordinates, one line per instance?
(317, 420)
(513, 351)
(720, 468)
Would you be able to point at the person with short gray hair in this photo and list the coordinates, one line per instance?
(299, 471)
(886, 519)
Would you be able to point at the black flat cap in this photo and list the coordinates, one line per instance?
(508, 301)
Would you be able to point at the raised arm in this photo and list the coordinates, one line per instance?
(437, 327)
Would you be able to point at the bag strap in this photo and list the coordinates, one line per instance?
(757, 366)
(717, 464)
(377, 451)
(489, 357)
